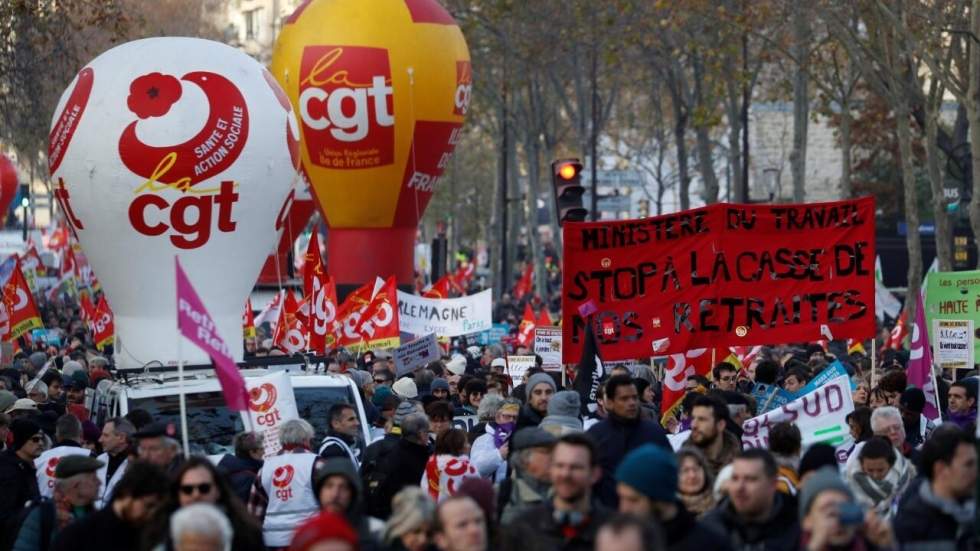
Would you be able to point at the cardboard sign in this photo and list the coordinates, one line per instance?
(770, 397)
(271, 403)
(953, 296)
(721, 275)
(821, 416)
(517, 366)
(953, 344)
(446, 317)
(416, 354)
(547, 344)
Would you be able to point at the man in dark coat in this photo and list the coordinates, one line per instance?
(119, 525)
(18, 479)
(242, 467)
(338, 489)
(570, 519)
(402, 467)
(756, 516)
(620, 432)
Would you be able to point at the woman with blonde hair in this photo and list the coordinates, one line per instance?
(410, 524)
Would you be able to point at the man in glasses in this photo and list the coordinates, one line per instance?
(17, 476)
(383, 377)
(725, 376)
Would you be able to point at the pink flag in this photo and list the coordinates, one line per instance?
(194, 322)
(919, 371)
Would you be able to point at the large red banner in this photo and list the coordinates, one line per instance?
(721, 275)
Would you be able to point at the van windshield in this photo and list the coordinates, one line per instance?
(211, 426)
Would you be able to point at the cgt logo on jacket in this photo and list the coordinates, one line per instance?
(282, 477)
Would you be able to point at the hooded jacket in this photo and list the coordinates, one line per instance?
(355, 513)
(615, 437)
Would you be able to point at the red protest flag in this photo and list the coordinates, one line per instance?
(103, 326)
(439, 289)
(679, 368)
(525, 331)
(17, 297)
(349, 316)
(379, 321)
(526, 283)
(544, 319)
(312, 264)
(290, 333)
(899, 332)
(321, 309)
(248, 320)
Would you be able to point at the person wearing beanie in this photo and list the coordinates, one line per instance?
(439, 389)
(563, 413)
(540, 388)
(405, 388)
(457, 365)
(17, 474)
(491, 449)
(529, 481)
(7, 400)
(646, 483)
(380, 394)
(830, 518)
(38, 359)
(325, 531)
(816, 456)
(620, 432)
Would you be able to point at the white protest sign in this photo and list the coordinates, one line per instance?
(271, 403)
(517, 366)
(465, 422)
(446, 317)
(820, 415)
(415, 354)
(547, 344)
(953, 344)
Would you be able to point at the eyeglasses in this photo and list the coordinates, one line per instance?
(203, 488)
(381, 381)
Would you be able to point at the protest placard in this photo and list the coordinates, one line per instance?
(517, 366)
(953, 344)
(446, 317)
(547, 344)
(413, 355)
(953, 296)
(493, 335)
(770, 397)
(821, 416)
(271, 403)
(721, 275)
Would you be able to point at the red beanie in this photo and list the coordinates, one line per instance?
(321, 528)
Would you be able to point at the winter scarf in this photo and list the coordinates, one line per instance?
(881, 495)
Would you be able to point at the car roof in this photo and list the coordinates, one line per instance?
(163, 384)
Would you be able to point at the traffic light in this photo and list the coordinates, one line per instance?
(566, 178)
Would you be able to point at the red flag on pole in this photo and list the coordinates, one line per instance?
(103, 326)
(544, 318)
(439, 289)
(290, 333)
(525, 331)
(248, 320)
(526, 283)
(24, 315)
(379, 321)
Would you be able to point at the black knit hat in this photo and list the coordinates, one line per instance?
(23, 429)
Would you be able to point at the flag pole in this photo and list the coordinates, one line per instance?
(180, 386)
(874, 363)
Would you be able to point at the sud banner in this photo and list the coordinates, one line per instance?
(721, 275)
(447, 317)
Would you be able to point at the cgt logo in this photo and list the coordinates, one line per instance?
(50, 468)
(208, 153)
(346, 106)
(282, 477)
(464, 88)
(262, 400)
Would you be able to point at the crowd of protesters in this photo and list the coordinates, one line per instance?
(460, 458)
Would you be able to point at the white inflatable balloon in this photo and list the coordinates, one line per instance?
(174, 146)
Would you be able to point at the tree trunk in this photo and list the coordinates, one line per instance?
(801, 101)
(705, 154)
(532, 150)
(944, 227)
(973, 111)
(913, 242)
(680, 142)
(846, 189)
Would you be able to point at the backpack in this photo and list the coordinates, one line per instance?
(14, 524)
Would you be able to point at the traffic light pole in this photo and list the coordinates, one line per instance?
(594, 199)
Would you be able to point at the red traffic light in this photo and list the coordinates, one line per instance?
(568, 171)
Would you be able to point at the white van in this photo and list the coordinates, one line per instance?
(210, 424)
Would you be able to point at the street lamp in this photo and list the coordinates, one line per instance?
(25, 201)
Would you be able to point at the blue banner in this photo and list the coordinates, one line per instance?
(770, 397)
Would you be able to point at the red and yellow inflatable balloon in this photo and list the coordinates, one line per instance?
(381, 88)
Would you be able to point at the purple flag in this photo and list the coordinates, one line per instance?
(194, 322)
(919, 371)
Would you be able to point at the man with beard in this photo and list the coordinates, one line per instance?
(570, 519)
(620, 432)
(343, 438)
(756, 515)
(540, 387)
(962, 399)
(709, 419)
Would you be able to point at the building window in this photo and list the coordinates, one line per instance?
(251, 24)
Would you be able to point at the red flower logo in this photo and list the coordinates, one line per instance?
(152, 95)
